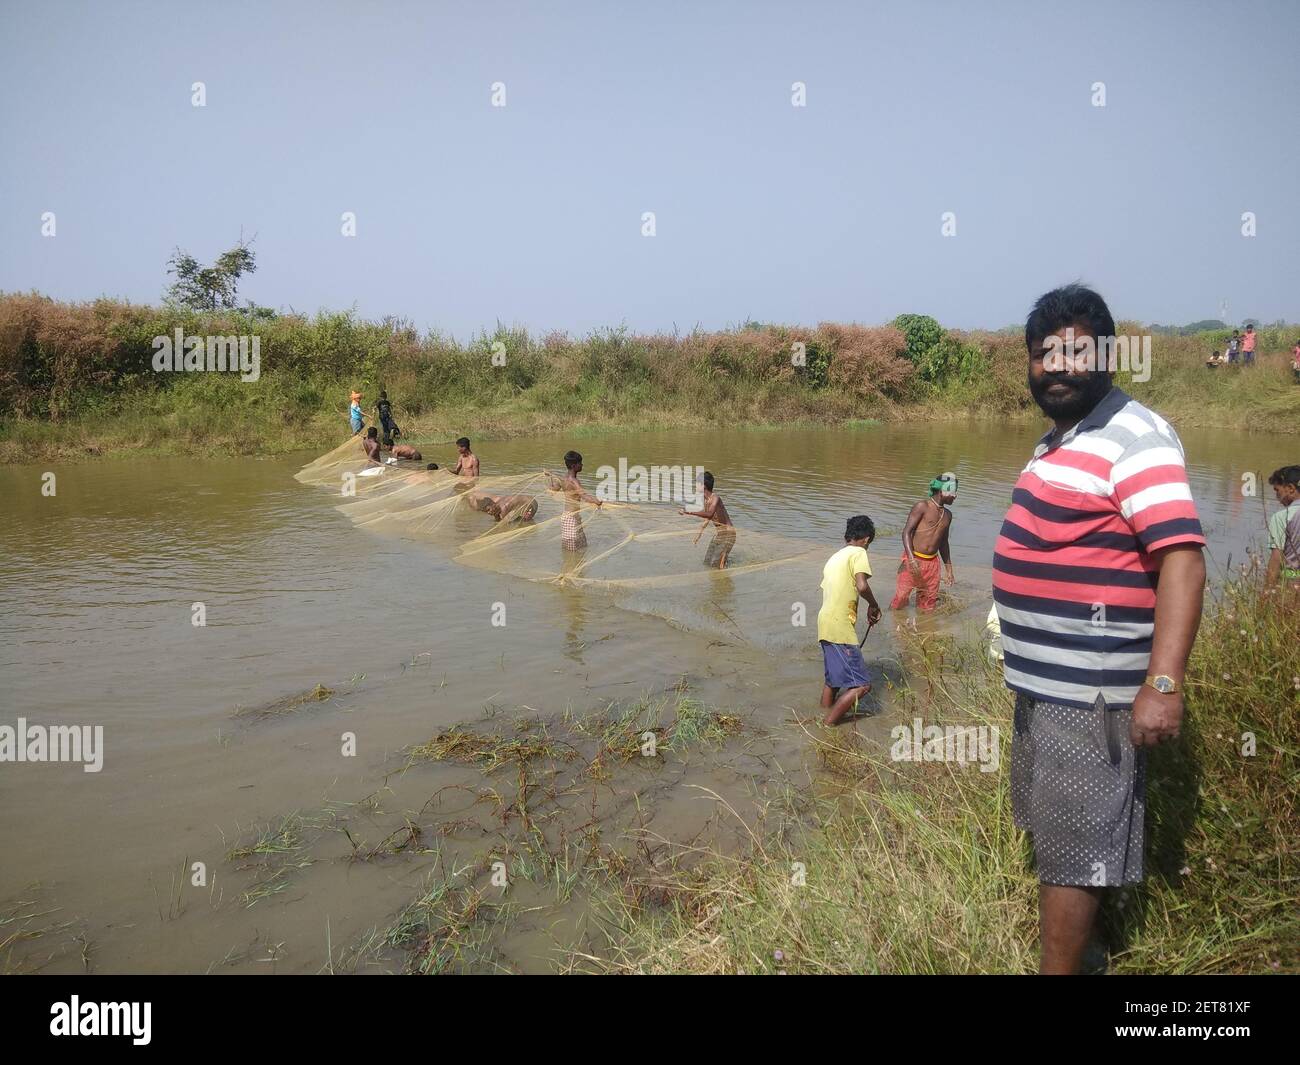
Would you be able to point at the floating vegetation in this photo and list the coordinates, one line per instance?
(288, 705)
(275, 850)
(32, 934)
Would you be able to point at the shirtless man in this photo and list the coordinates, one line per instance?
(371, 443)
(504, 508)
(572, 535)
(467, 464)
(714, 513)
(925, 541)
(405, 451)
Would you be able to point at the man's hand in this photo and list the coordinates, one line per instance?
(914, 566)
(873, 614)
(1156, 717)
(949, 578)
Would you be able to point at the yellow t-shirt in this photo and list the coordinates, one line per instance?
(839, 613)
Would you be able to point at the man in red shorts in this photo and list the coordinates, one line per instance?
(925, 542)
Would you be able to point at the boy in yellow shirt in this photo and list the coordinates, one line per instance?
(844, 579)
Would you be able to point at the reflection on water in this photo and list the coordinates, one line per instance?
(100, 579)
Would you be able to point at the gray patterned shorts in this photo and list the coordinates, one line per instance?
(1078, 786)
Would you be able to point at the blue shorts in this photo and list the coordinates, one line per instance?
(844, 665)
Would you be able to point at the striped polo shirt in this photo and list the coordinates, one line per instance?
(1073, 578)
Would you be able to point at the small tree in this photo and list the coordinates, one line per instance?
(209, 288)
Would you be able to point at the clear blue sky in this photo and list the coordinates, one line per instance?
(531, 214)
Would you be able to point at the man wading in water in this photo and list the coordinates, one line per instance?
(844, 581)
(925, 541)
(714, 513)
(1098, 579)
(467, 464)
(572, 535)
(371, 444)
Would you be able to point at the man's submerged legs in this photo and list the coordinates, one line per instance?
(848, 698)
(903, 587)
(927, 591)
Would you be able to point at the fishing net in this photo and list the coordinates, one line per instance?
(644, 556)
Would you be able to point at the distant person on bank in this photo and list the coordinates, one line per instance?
(384, 409)
(1248, 346)
(1098, 578)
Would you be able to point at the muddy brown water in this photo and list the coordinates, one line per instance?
(99, 582)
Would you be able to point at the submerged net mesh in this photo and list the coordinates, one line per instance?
(645, 556)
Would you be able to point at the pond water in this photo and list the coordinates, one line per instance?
(99, 585)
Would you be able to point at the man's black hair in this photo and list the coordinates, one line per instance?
(859, 527)
(707, 478)
(383, 394)
(463, 442)
(571, 459)
(1286, 475)
(1073, 304)
(431, 466)
(372, 432)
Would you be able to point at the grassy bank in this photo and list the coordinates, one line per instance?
(916, 868)
(77, 379)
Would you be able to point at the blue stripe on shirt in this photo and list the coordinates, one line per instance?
(1099, 575)
(1072, 641)
(1032, 604)
(1110, 540)
(1090, 678)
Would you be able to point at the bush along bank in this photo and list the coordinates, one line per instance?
(85, 377)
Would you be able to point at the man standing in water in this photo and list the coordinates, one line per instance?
(925, 541)
(845, 579)
(467, 464)
(1098, 579)
(371, 444)
(714, 512)
(572, 535)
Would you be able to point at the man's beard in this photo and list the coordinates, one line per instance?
(1085, 393)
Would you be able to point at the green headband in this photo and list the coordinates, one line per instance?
(944, 484)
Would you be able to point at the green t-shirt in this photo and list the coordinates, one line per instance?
(1277, 525)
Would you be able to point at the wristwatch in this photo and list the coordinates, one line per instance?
(1165, 685)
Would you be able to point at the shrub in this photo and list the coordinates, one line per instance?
(869, 361)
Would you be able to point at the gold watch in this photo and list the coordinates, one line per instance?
(1162, 683)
